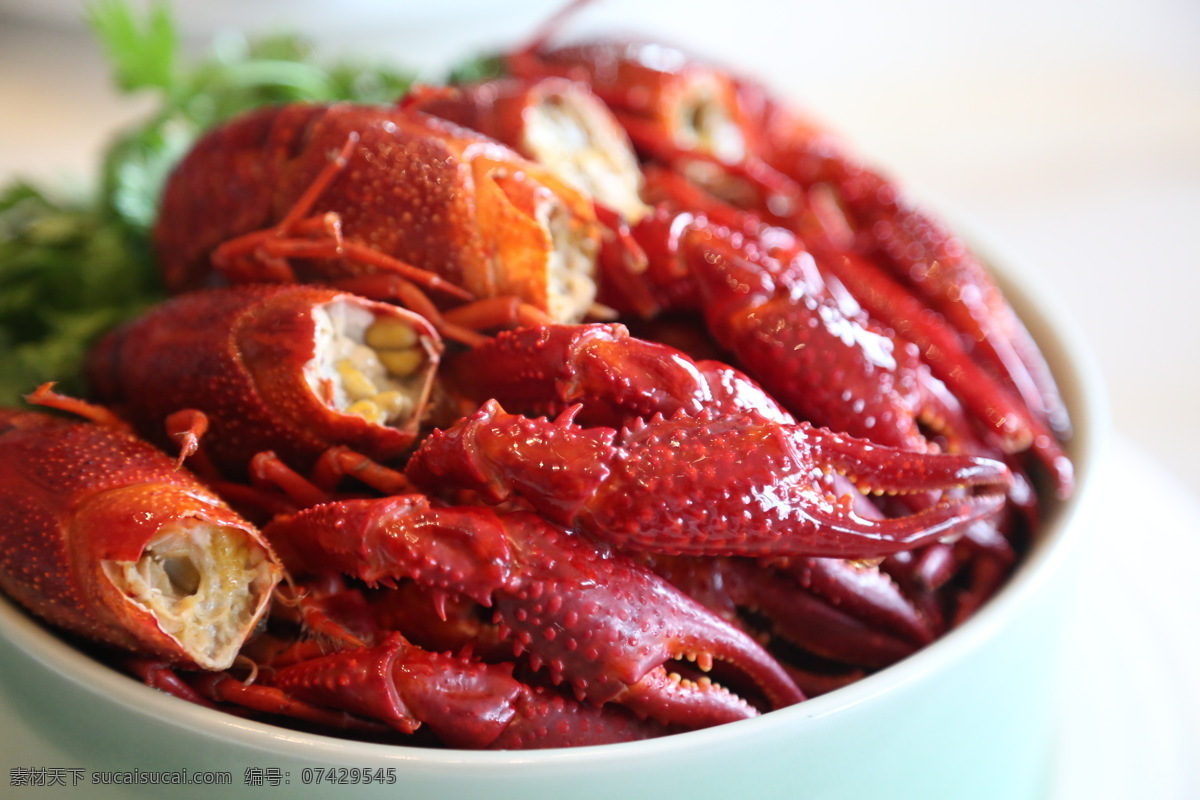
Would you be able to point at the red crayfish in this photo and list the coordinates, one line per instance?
(561, 533)
(732, 138)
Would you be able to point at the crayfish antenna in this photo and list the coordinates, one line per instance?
(340, 461)
(46, 397)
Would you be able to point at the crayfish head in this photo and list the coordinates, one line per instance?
(205, 584)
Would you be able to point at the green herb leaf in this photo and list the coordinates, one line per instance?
(477, 69)
(238, 76)
(142, 52)
(70, 268)
(66, 275)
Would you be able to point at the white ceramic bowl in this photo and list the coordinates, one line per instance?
(971, 716)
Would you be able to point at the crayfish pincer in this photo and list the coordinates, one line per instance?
(733, 485)
(103, 536)
(591, 618)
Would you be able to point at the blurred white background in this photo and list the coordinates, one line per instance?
(1070, 132)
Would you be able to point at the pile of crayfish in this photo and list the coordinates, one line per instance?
(606, 399)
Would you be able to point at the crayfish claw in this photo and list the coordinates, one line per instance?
(884, 470)
(670, 698)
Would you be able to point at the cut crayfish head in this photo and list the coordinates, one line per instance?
(558, 123)
(327, 193)
(364, 361)
(202, 577)
(104, 537)
(664, 100)
(293, 369)
(543, 235)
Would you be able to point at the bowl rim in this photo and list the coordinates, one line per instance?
(1075, 369)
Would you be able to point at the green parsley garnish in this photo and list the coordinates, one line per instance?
(72, 267)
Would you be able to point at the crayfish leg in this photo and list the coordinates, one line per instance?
(339, 462)
(187, 427)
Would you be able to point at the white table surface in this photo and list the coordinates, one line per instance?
(1069, 131)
